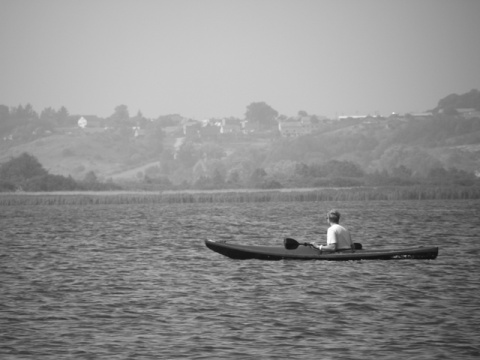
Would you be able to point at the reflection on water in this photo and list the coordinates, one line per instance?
(137, 282)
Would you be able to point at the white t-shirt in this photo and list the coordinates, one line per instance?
(340, 236)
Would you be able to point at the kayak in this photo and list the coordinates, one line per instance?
(243, 252)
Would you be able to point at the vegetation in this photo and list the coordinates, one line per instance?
(452, 102)
(441, 149)
(25, 173)
(262, 115)
(188, 197)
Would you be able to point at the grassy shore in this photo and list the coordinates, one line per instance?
(239, 196)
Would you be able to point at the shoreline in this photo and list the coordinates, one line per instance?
(240, 195)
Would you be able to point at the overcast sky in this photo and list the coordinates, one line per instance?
(212, 58)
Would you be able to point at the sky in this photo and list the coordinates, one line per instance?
(212, 58)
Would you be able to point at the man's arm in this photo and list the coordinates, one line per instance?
(331, 247)
(331, 242)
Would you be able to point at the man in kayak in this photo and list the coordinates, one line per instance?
(338, 238)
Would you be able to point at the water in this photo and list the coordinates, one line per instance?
(137, 282)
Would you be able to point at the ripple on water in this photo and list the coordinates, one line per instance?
(137, 281)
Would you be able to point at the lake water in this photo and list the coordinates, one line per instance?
(137, 282)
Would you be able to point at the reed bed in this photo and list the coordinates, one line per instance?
(241, 196)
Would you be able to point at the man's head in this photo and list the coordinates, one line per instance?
(333, 216)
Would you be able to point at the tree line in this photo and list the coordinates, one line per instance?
(289, 174)
(25, 173)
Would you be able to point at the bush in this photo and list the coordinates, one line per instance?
(338, 182)
(21, 168)
(25, 172)
(50, 182)
(98, 186)
(163, 181)
(6, 186)
(271, 184)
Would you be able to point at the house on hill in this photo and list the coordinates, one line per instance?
(91, 124)
(249, 127)
(344, 117)
(91, 121)
(468, 113)
(422, 116)
(191, 128)
(231, 126)
(138, 132)
(298, 126)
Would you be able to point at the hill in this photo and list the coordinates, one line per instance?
(374, 145)
(70, 154)
(174, 151)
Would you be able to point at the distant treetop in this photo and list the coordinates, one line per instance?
(452, 102)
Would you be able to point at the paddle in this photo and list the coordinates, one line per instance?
(291, 244)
